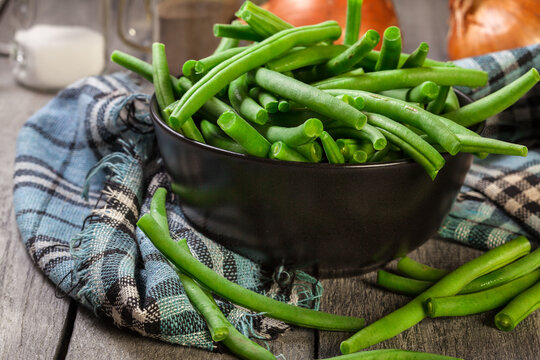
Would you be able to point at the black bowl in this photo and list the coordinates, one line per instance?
(345, 218)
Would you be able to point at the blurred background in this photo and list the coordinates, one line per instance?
(45, 38)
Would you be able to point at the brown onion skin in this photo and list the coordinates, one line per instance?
(479, 27)
(376, 14)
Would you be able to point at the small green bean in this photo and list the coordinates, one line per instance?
(413, 312)
(236, 31)
(392, 354)
(284, 106)
(268, 101)
(495, 102)
(354, 18)
(244, 104)
(482, 301)
(400, 284)
(331, 149)
(418, 271)
(312, 55)
(452, 102)
(379, 155)
(202, 66)
(160, 77)
(519, 308)
(244, 134)
(217, 138)
(369, 62)
(390, 49)
(358, 157)
(311, 151)
(293, 136)
(281, 151)
(262, 21)
(437, 105)
(406, 78)
(478, 144)
(417, 57)
(423, 93)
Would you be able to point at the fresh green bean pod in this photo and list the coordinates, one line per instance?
(358, 157)
(212, 108)
(191, 131)
(142, 68)
(293, 136)
(281, 151)
(418, 271)
(245, 348)
(392, 354)
(204, 65)
(390, 49)
(347, 59)
(400, 284)
(354, 18)
(482, 301)
(237, 294)
(344, 132)
(311, 151)
(306, 95)
(217, 138)
(268, 101)
(478, 144)
(406, 78)
(257, 55)
(452, 102)
(496, 102)
(413, 312)
(379, 155)
(423, 93)
(436, 106)
(262, 21)
(369, 62)
(417, 57)
(160, 77)
(519, 308)
(284, 106)
(244, 134)
(429, 123)
(244, 104)
(236, 31)
(331, 149)
(311, 55)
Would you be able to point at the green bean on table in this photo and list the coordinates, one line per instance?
(257, 55)
(419, 271)
(519, 308)
(219, 285)
(482, 301)
(392, 354)
(451, 284)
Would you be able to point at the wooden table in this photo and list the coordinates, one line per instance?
(37, 325)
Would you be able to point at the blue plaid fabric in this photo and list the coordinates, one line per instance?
(95, 138)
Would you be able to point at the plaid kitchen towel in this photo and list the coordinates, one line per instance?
(95, 138)
(501, 195)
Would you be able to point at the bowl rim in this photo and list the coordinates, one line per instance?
(156, 118)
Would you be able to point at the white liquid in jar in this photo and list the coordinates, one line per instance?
(51, 57)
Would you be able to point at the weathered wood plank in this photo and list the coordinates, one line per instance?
(472, 337)
(97, 339)
(32, 318)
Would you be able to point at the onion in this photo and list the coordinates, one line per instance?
(482, 26)
(376, 14)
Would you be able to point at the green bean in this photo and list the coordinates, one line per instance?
(244, 348)
(423, 93)
(308, 96)
(437, 105)
(379, 155)
(244, 104)
(415, 270)
(212, 108)
(160, 77)
(142, 68)
(157, 207)
(429, 123)
(410, 150)
(217, 138)
(236, 31)
(352, 25)
(519, 308)
(482, 301)
(354, 72)
(347, 59)
(311, 55)
(400, 284)
(244, 134)
(267, 100)
(413, 312)
(204, 65)
(256, 55)
(369, 62)
(355, 151)
(417, 57)
(190, 130)
(283, 106)
(475, 144)
(358, 157)
(226, 44)
(496, 102)
(343, 132)
(293, 136)
(405, 78)
(452, 101)
(331, 149)
(311, 151)
(235, 293)
(390, 49)
(392, 354)
(262, 21)
(281, 151)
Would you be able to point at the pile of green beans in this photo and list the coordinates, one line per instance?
(241, 96)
